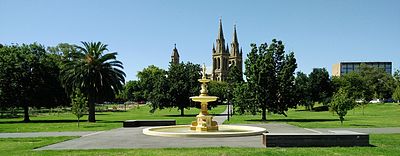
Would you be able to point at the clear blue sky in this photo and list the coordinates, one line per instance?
(320, 32)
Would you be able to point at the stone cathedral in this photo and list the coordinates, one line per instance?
(223, 58)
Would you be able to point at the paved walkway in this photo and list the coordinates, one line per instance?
(134, 138)
(45, 134)
(223, 116)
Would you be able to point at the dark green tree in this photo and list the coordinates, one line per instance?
(159, 97)
(172, 88)
(286, 90)
(260, 75)
(219, 89)
(320, 85)
(234, 75)
(234, 78)
(243, 100)
(382, 83)
(132, 91)
(29, 78)
(341, 103)
(270, 74)
(183, 83)
(8, 78)
(303, 90)
(148, 78)
(97, 74)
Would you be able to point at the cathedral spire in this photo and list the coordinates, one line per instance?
(235, 44)
(220, 32)
(234, 40)
(220, 47)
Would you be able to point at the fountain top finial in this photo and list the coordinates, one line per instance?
(204, 72)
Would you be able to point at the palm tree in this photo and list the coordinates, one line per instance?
(99, 76)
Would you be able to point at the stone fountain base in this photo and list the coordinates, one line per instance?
(224, 131)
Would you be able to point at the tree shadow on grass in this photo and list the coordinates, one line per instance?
(363, 125)
(293, 120)
(59, 121)
(110, 121)
(41, 121)
(178, 115)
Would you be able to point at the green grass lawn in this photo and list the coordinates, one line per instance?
(105, 120)
(375, 115)
(384, 144)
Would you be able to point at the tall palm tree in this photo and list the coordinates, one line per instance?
(99, 76)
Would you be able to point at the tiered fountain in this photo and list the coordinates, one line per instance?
(204, 126)
(204, 121)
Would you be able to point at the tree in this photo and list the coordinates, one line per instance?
(243, 100)
(303, 90)
(382, 84)
(320, 85)
(148, 78)
(8, 80)
(132, 91)
(396, 94)
(29, 78)
(63, 50)
(234, 75)
(99, 76)
(357, 88)
(396, 76)
(183, 83)
(270, 74)
(155, 87)
(234, 78)
(172, 88)
(341, 103)
(219, 89)
(79, 103)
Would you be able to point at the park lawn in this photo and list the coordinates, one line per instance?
(383, 144)
(375, 116)
(105, 120)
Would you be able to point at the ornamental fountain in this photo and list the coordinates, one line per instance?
(204, 126)
(204, 121)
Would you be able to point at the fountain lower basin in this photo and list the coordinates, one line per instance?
(223, 131)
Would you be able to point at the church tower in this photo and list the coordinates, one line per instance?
(223, 58)
(235, 58)
(220, 57)
(175, 56)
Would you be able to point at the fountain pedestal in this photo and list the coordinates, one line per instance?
(204, 121)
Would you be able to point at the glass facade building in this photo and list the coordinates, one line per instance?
(347, 67)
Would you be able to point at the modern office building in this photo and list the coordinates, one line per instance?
(346, 67)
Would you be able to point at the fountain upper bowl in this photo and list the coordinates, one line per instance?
(204, 98)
